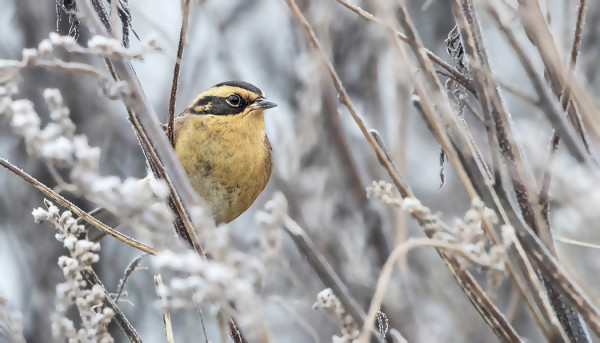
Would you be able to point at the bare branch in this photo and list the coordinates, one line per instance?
(165, 314)
(129, 330)
(78, 211)
(453, 73)
(182, 36)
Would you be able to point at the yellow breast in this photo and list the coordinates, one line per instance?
(227, 159)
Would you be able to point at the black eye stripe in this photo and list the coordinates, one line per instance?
(218, 106)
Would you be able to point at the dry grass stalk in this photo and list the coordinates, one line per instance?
(78, 211)
(185, 16)
(158, 283)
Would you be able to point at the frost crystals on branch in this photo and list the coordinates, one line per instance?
(271, 221)
(135, 202)
(327, 301)
(11, 324)
(95, 317)
(229, 277)
(466, 232)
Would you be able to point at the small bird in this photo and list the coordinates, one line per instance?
(221, 142)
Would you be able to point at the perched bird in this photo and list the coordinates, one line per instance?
(221, 142)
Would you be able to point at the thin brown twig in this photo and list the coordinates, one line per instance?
(519, 94)
(203, 326)
(132, 335)
(536, 27)
(345, 99)
(323, 269)
(555, 280)
(398, 254)
(234, 331)
(519, 172)
(558, 78)
(454, 74)
(78, 211)
(566, 104)
(503, 207)
(480, 179)
(128, 271)
(531, 271)
(577, 37)
(372, 219)
(182, 37)
(158, 283)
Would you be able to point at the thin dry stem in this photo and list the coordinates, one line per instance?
(453, 73)
(566, 106)
(128, 271)
(129, 330)
(203, 326)
(384, 277)
(547, 307)
(74, 209)
(158, 283)
(345, 99)
(182, 37)
(576, 242)
(323, 269)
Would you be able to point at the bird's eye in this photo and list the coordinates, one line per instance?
(234, 100)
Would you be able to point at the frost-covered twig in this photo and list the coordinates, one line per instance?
(95, 316)
(133, 265)
(386, 272)
(133, 201)
(452, 72)
(78, 211)
(185, 16)
(327, 301)
(467, 282)
(45, 56)
(158, 283)
(229, 281)
(466, 232)
(11, 324)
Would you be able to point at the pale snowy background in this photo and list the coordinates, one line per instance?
(259, 42)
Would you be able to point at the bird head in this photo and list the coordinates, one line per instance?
(231, 98)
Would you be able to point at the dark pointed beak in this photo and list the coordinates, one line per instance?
(263, 104)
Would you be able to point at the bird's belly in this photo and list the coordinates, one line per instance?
(231, 195)
(226, 165)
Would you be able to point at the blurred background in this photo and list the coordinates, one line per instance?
(322, 162)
